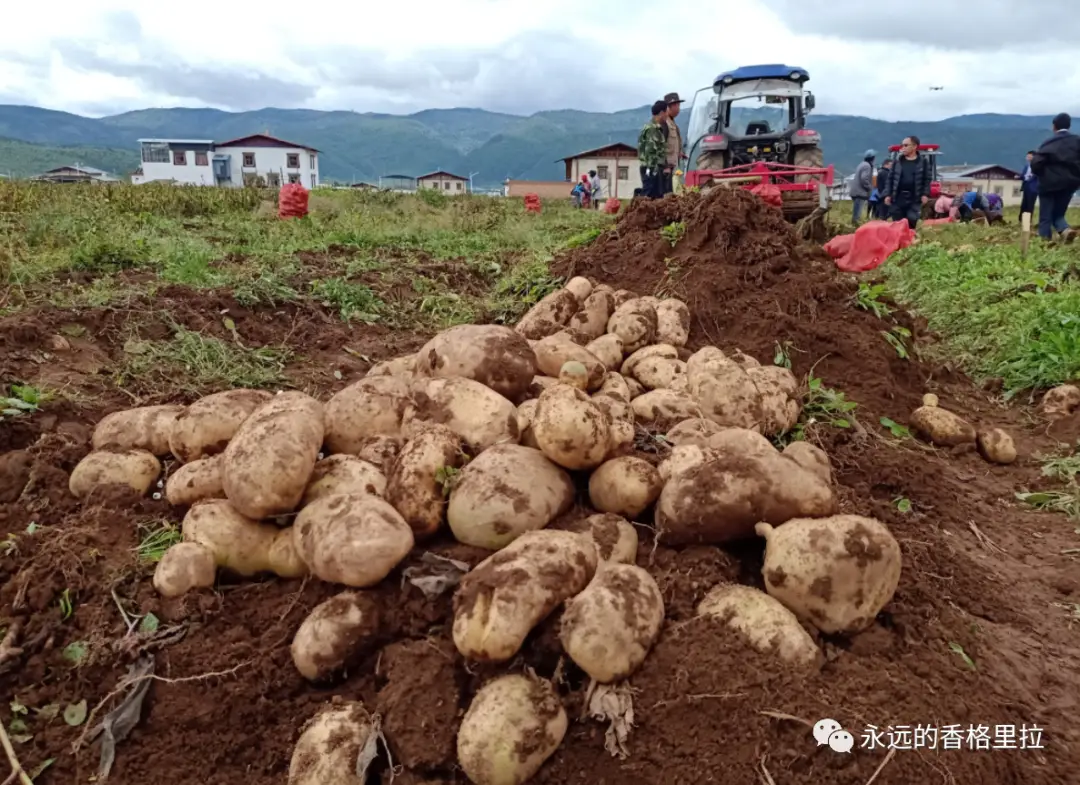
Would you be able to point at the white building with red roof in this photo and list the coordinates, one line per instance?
(257, 159)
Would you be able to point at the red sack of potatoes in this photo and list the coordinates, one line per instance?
(532, 203)
(768, 193)
(292, 201)
(612, 205)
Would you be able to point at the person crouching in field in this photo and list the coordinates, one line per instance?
(909, 184)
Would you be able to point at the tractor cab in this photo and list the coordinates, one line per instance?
(932, 152)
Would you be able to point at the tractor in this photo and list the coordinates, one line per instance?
(749, 129)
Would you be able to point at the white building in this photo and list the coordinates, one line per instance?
(234, 163)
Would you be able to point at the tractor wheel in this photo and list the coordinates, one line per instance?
(811, 157)
(711, 161)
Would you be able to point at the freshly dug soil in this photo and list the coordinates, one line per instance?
(980, 631)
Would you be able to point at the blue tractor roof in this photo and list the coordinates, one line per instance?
(771, 71)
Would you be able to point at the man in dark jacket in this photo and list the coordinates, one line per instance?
(861, 186)
(909, 184)
(1057, 165)
(1029, 188)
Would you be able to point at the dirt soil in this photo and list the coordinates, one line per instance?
(981, 630)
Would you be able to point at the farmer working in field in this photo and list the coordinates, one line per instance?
(1057, 165)
(909, 186)
(652, 152)
(861, 185)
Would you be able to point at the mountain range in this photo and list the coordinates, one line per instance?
(358, 147)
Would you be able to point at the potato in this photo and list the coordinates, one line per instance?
(513, 725)
(404, 366)
(634, 321)
(570, 428)
(780, 401)
(269, 461)
(672, 322)
(602, 287)
(635, 388)
(499, 602)
(941, 427)
(329, 747)
(996, 446)
(593, 317)
(503, 493)
(549, 315)
(621, 437)
(684, 457)
(208, 424)
(493, 355)
(657, 350)
(727, 394)
(767, 625)
(608, 349)
(614, 386)
(195, 481)
(335, 635)
(539, 384)
(744, 360)
(625, 486)
(240, 544)
(525, 414)
(660, 373)
(812, 458)
(183, 567)
(836, 572)
(556, 350)
(421, 478)
(343, 474)
(574, 335)
(1060, 402)
(930, 400)
(650, 299)
(355, 539)
(608, 629)
(475, 412)
(373, 406)
(661, 409)
(623, 296)
(580, 286)
(137, 469)
(741, 441)
(695, 430)
(145, 428)
(380, 452)
(574, 374)
(615, 538)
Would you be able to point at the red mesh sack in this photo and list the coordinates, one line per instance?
(873, 243)
(292, 201)
(839, 245)
(612, 205)
(532, 203)
(769, 193)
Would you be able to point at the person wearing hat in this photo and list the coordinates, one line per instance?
(1057, 165)
(594, 181)
(652, 152)
(675, 154)
(861, 185)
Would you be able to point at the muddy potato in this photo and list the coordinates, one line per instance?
(695, 430)
(662, 409)
(343, 474)
(660, 373)
(525, 414)
(380, 452)
(621, 436)
(473, 411)
(672, 322)
(503, 598)
(549, 315)
(615, 538)
(593, 317)
(335, 635)
(683, 458)
(240, 544)
(608, 349)
(767, 624)
(137, 469)
(269, 461)
(513, 725)
(183, 567)
(632, 363)
(1060, 402)
(404, 366)
(555, 351)
(539, 384)
(503, 493)
(493, 355)
(837, 573)
(635, 388)
(608, 629)
(941, 427)
(355, 539)
(635, 323)
(580, 286)
(330, 745)
(195, 481)
(615, 386)
(421, 477)
(206, 427)
(574, 374)
(145, 428)
(996, 446)
(780, 402)
(741, 441)
(622, 296)
(625, 486)
(570, 428)
(372, 406)
(744, 360)
(726, 392)
(812, 458)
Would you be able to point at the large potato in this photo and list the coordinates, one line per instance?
(503, 493)
(240, 544)
(726, 392)
(513, 725)
(553, 352)
(195, 481)
(659, 373)
(1060, 402)
(403, 366)
(581, 287)
(473, 411)
(571, 429)
(696, 430)
(145, 428)
(672, 322)
(269, 461)
(343, 474)
(549, 315)
(623, 296)
(137, 469)
(812, 458)
(684, 457)
(422, 476)
(632, 363)
(335, 635)
(942, 427)
(499, 602)
(493, 355)
(780, 403)
(329, 747)
(996, 446)
(539, 384)
(593, 317)
(608, 349)
(625, 486)
(608, 629)
(208, 424)
(373, 406)
(634, 321)
(769, 626)
(615, 538)
(183, 567)
(661, 409)
(836, 572)
(351, 538)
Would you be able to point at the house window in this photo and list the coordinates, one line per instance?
(179, 158)
(446, 186)
(624, 172)
(202, 159)
(249, 159)
(273, 179)
(293, 160)
(313, 181)
(311, 160)
(294, 178)
(999, 189)
(155, 153)
(601, 172)
(1016, 191)
(459, 186)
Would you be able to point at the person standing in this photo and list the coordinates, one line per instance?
(674, 142)
(909, 185)
(652, 152)
(1057, 165)
(1029, 188)
(861, 185)
(597, 187)
(882, 188)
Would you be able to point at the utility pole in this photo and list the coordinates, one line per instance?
(470, 180)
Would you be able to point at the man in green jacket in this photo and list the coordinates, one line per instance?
(652, 152)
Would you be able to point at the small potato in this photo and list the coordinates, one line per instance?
(196, 481)
(403, 366)
(373, 406)
(183, 567)
(1060, 402)
(623, 296)
(696, 430)
(570, 428)
(625, 486)
(556, 350)
(513, 725)
(662, 409)
(836, 572)
(504, 597)
(418, 484)
(329, 747)
(593, 317)
(780, 401)
(355, 539)
(525, 414)
(608, 629)
(503, 493)
(343, 474)
(208, 424)
(996, 446)
(941, 427)
(335, 635)
(768, 626)
(811, 458)
(930, 399)
(493, 355)
(608, 348)
(380, 452)
(726, 392)
(672, 322)
(574, 374)
(580, 286)
(615, 538)
(137, 469)
(145, 428)
(269, 461)
(549, 315)
(240, 544)
(475, 412)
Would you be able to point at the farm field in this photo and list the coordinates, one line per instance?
(144, 296)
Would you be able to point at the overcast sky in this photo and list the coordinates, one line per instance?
(100, 57)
